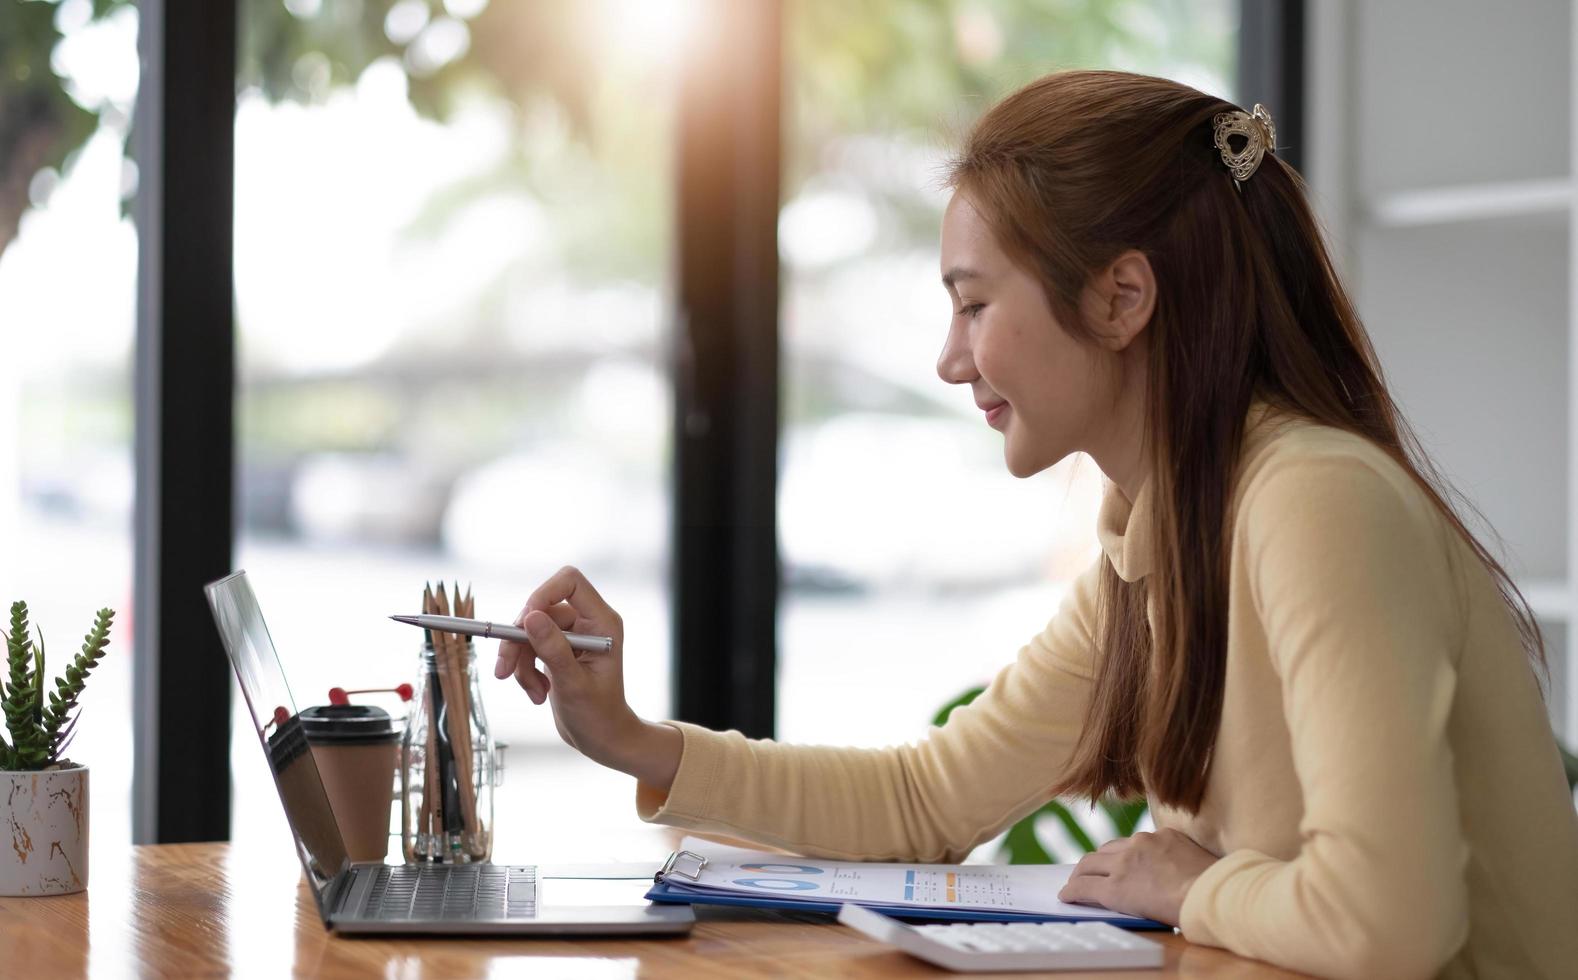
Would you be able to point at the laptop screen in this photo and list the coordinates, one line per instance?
(246, 639)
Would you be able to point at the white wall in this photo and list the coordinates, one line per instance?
(1440, 144)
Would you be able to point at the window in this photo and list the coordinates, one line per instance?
(68, 270)
(451, 254)
(915, 565)
(452, 242)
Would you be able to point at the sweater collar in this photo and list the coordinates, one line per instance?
(1124, 527)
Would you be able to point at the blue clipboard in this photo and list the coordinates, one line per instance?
(670, 891)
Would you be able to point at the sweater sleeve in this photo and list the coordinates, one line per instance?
(1351, 576)
(935, 800)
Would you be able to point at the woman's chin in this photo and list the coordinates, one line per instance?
(1026, 464)
(1020, 465)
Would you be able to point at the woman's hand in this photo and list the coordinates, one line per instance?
(1147, 874)
(587, 691)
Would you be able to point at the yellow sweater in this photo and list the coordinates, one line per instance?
(1386, 795)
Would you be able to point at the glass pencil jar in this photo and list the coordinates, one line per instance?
(448, 766)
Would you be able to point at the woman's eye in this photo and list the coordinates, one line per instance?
(970, 310)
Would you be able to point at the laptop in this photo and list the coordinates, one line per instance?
(409, 898)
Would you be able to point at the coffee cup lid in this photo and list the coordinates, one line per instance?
(348, 724)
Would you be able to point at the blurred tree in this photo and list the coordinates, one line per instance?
(300, 50)
(521, 51)
(39, 123)
(923, 70)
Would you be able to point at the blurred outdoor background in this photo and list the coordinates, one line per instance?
(452, 227)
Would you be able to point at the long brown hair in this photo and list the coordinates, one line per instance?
(1069, 172)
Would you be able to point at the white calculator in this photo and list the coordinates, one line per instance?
(1001, 946)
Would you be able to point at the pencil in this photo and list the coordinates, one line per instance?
(456, 694)
(430, 799)
(478, 841)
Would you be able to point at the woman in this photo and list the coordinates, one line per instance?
(1291, 645)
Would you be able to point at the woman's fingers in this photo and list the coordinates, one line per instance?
(548, 642)
(1091, 881)
(589, 707)
(533, 681)
(515, 657)
(1087, 890)
(565, 602)
(569, 586)
(1095, 863)
(510, 654)
(518, 659)
(564, 615)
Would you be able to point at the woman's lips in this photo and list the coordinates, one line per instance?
(996, 412)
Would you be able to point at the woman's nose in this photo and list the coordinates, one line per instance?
(955, 364)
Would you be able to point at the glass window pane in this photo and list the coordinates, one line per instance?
(452, 226)
(916, 566)
(68, 271)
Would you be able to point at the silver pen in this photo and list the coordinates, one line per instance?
(497, 631)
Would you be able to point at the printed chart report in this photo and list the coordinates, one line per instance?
(1003, 888)
(990, 889)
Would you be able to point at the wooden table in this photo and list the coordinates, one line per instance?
(192, 910)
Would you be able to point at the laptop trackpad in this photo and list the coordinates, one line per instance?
(523, 893)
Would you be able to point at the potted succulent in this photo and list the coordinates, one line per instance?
(43, 797)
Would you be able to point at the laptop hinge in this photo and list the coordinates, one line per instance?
(334, 899)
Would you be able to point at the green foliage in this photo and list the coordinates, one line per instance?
(1021, 845)
(1124, 814)
(27, 747)
(40, 732)
(38, 120)
(526, 52)
(958, 702)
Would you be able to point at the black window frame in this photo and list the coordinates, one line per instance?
(183, 139)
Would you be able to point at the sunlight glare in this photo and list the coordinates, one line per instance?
(655, 31)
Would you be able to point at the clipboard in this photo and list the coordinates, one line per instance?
(677, 864)
(678, 881)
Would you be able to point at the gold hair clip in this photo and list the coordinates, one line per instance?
(1260, 135)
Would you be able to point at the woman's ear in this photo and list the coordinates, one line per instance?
(1120, 299)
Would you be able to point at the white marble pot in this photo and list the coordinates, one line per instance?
(44, 832)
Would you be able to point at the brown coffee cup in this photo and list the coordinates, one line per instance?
(357, 750)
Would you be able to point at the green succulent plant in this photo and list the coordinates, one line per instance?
(41, 730)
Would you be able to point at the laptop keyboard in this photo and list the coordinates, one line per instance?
(452, 893)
